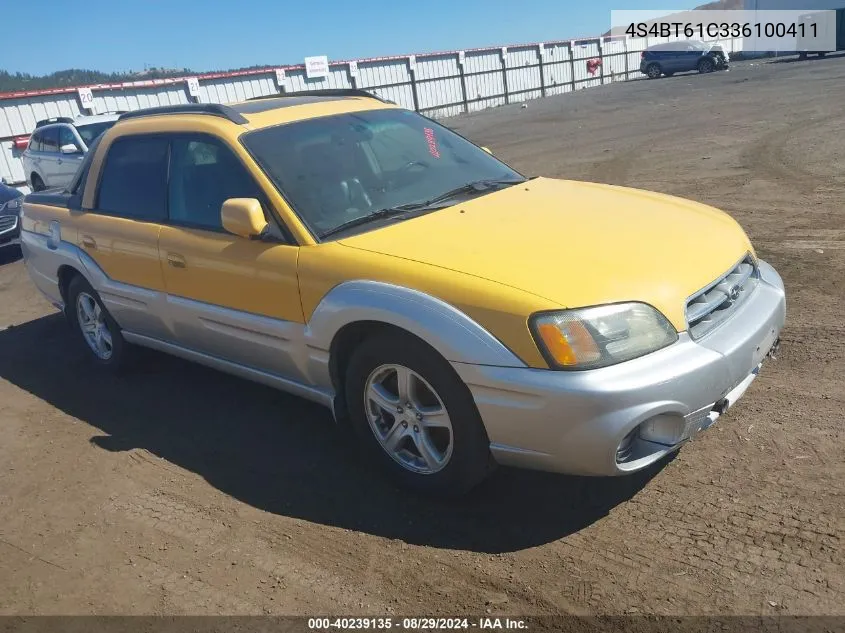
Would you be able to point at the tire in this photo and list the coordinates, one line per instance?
(438, 444)
(95, 329)
(653, 70)
(37, 183)
(706, 65)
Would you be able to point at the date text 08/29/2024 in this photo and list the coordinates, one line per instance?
(490, 623)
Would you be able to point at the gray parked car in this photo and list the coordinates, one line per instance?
(57, 146)
(678, 57)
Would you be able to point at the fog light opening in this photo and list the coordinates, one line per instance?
(626, 447)
(666, 429)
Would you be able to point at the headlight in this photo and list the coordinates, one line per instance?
(588, 338)
(11, 207)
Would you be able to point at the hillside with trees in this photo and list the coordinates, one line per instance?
(15, 82)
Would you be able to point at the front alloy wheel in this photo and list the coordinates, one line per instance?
(414, 416)
(408, 419)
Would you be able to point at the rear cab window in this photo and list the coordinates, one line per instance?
(133, 182)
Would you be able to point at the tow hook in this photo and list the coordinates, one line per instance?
(772, 353)
(721, 406)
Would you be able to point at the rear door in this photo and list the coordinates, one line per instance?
(32, 155)
(119, 231)
(49, 155)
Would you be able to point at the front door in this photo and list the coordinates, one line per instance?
(67, 164)
(229, 297)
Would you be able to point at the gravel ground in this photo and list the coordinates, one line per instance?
(182, 490)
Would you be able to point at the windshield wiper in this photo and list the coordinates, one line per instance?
(381, 214)
(476, 186)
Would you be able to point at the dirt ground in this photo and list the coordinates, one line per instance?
(183, 490)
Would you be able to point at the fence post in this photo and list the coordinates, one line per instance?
(572, 64)
(541, 48)
(353, 74)
(412, 70)
(505, 74)
(625, 47)
(463, 80)
(601, 59)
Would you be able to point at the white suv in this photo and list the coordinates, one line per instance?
(57, 146)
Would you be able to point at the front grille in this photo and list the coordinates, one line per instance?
(8, 222)
(711, 306)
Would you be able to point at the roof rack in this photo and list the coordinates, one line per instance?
(55, 119)
(331, 92)
(211, 109)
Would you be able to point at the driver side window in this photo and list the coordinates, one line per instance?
(66, 137)
(203, 174)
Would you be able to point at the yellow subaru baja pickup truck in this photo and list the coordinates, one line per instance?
(455, 313)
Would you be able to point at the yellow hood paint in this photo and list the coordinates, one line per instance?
(573, 243)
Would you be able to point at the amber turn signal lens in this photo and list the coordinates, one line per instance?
(569, 343)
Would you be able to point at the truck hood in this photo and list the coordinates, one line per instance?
(575, 243)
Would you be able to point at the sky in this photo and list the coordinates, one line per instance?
(122, 35)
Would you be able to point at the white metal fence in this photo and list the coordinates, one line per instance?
(435, 84)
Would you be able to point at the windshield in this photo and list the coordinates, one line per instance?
(93, 130)
(337, 168)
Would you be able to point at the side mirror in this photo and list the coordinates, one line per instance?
(487, 149)
(70, 148)
(243, 217)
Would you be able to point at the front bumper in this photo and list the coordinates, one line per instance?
(575, 422)
(10, 235)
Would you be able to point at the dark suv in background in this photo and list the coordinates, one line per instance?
(10, 210)
(678, 57)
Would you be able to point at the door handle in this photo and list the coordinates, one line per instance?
(176, 260)
(88, 242)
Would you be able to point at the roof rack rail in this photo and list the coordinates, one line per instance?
(331, 92)
(55, 119)
(211, 109)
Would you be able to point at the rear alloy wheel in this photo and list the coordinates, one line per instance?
(93, 325)
(96, 327)
(653, 71)
(415, 417)
(706, 65)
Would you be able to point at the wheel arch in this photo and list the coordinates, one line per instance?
(348, 339)
(355, 310)
(65, 275)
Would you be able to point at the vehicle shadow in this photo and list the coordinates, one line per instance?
(284, 455)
